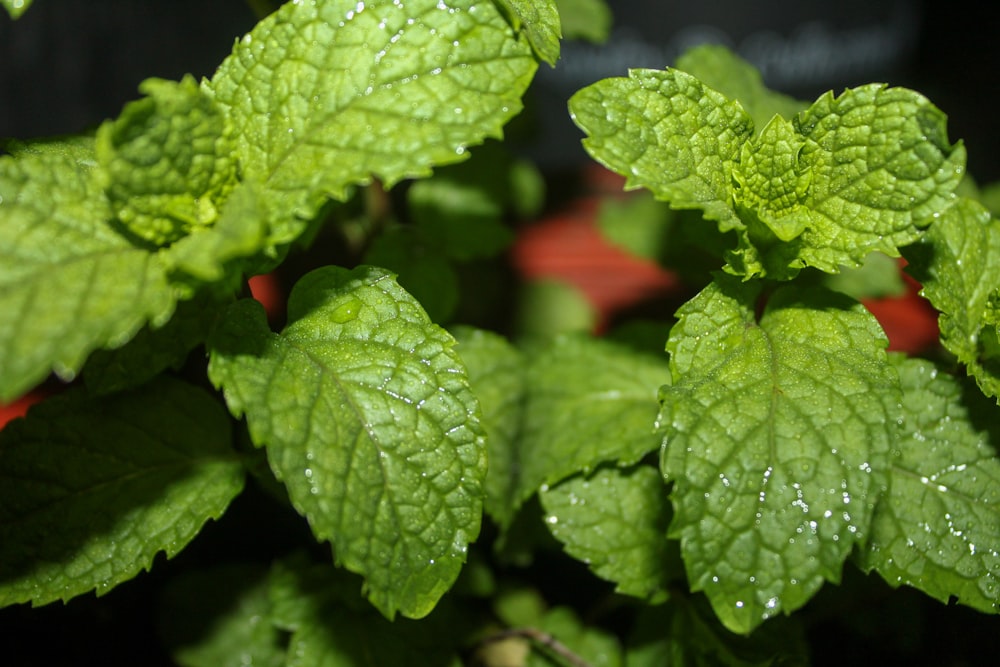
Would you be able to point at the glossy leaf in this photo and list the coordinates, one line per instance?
(668, 132)
(92, 490)
(497, 376)
(938, 527)
(539, 19)
(958, 264)
(367, 417)
(616, 522)
(775, 465)
(69, 283)
(324, 95)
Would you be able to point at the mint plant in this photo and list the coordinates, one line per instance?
(764, 444)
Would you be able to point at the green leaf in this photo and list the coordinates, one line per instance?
(670, 133)
(221, 618)
(212, 254)
(167, 161)
(877, 277)
(938, 527)
(323, 95)
(15, 7)
(367, 417)
(958, 264)
(539, 19)
(589, 20)
(616, 522)
(588, 402)
(152, 351)
(421, 268)
(497, 375)
(880, 167)
(330, 629)
(721, 69)
(69, 284)
(776, 439)
(92, 490)
(681, 634)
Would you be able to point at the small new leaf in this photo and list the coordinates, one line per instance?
(938, 526)
(776, 439)
(167, 161)
(368, 419)
(539, 19)
(325, 95)
(69, 283)
(91, 490)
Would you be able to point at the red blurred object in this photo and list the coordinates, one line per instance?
(568, 246)
(266, 289)
(11, 411)
(909, 321)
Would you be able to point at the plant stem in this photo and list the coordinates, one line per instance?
(539, 637)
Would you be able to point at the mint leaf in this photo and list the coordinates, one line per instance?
(776, 438)
(329, 628)
(92, 490)
(69, 284)
(15, 7)
(588, 402)
(616, 522)
(938, 527)
(497, 375)
(167, 161)
(212, 254)
(367, 417)
(221, 618)
(958, 264)
(881, 166)
(539, 19)
(589, 20)
(670, 133)
(721, 69)
(314, 112)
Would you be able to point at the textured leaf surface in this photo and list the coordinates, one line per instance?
(938, 527)
(367, 417)
(497, 375)
(91, 491)
(668, 132)
(848, 176)
(616, 522)
(881, 166)
(588, 401)
(15, 7)
(323, 95)
(167, 161)
(539, 19)
(721, 69)
(776, 439)
(958, 263)
(221, 618)
(69, 284)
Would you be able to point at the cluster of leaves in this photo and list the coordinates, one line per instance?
(775, 442)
